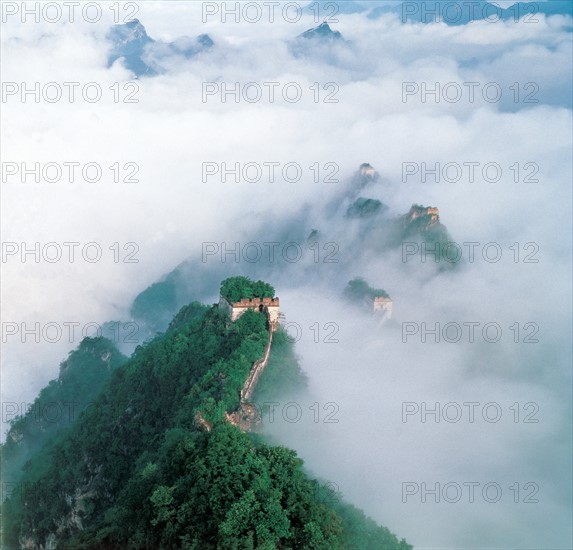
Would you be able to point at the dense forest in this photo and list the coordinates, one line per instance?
(82, 376)
(137, 470)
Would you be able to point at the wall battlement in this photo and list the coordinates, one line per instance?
(270, 306)
(421, 211)
(383, 305)
(367, 171)
(255, 302)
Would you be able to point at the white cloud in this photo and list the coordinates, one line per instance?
(170, 212)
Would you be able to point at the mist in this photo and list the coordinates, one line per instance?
(366, 368)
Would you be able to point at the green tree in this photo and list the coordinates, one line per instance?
(139, 472)
(234, 289)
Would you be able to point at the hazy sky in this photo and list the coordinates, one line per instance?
(370, 372)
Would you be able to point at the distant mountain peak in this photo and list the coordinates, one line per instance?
(131, 32)
(205, 40)
(322, 32)
(131, 42)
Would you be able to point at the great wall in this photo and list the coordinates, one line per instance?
(256, 371)
(417, 211)
(270, 306)
(247, 416)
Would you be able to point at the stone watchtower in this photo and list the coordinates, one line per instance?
(418, 211)
(270, 306)
(383, 304)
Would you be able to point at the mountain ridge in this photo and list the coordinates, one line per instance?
(135, 471)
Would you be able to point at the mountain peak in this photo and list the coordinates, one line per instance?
(322, 32)
(128, 42)
(131, 42)
(131, 32)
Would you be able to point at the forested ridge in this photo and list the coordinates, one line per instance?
(137, 471)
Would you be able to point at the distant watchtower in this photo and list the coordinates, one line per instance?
(367, 171)
(417, 211)
(270, 306)
(384, 305)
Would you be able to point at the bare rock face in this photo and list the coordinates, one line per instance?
(201, 422)
(71, 521)
(28, 543)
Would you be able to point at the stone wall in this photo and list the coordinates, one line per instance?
(384, 306)
(420, 211)
(247, 417)
(256, 371)
(270, 306)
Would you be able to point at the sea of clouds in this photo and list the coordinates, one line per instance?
(370, 372)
